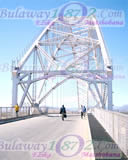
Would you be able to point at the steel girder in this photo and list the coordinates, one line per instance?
(72, 52)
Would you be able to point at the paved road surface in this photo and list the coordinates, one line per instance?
(40, 138)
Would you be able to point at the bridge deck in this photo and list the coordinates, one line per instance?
(82, 139)
(47, 133)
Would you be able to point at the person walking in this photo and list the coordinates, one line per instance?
(83, 111)
(17, 109)
(63, 112)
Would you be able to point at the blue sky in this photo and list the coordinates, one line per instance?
(15, 35)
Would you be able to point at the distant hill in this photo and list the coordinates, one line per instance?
(123, 108)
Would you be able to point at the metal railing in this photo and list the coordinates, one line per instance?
(116, 124)
(9, 112)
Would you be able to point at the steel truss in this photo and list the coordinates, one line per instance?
(71, 52)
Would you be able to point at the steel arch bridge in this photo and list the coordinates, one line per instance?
(69, 51)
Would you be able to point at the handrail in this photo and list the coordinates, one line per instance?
(116, 124)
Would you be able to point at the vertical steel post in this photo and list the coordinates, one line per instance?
(78, 96)
(110, 103)
(14, 88)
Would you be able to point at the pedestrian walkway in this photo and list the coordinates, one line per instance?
(105, 142)
(59, 140)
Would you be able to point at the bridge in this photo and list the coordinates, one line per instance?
(64, 51)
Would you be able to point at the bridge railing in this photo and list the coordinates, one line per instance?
(116, 124)
(9, 112)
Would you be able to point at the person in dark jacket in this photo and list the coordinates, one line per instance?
(83, 111)
(63, 112)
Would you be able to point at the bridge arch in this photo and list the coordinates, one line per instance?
(72, 51)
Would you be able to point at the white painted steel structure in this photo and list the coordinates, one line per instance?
(69, 51)
(116, 124)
